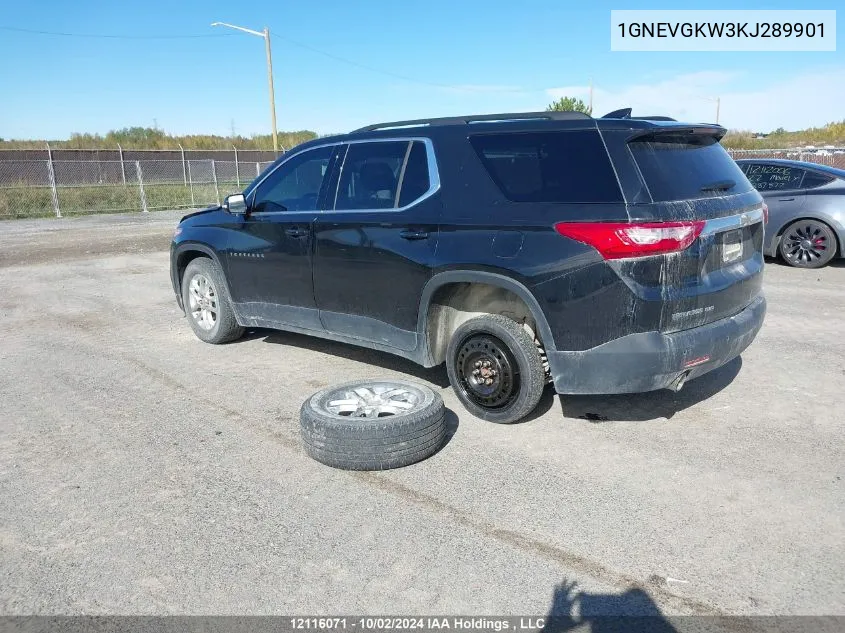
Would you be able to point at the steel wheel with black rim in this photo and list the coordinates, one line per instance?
(808, 244)
(373, 424)
(207, 304)
(495, 368)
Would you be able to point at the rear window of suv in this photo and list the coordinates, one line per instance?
(549, 166)
(686, 166)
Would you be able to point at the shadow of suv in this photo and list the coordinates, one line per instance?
(611, 255)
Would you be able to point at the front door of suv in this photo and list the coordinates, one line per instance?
(374, 249)
(269, 253)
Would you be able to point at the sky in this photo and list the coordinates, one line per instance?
(339, 65)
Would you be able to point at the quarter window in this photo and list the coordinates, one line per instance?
(415, 181)
(296, 184)
(813, 179)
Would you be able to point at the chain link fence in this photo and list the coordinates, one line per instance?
(831, 158)
(31, 188)
(45, 188)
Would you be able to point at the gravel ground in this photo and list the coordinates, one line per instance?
(144, 472)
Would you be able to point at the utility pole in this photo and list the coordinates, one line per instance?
(266, 35)
(273, 92)
(591, 96)
(716, 100)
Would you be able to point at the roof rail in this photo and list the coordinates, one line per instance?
(456, 120)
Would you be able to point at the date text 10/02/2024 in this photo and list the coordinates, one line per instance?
(416, 623)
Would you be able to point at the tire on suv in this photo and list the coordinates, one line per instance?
(495, 369)
(207, 303)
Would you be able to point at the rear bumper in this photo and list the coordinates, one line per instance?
(651, 360)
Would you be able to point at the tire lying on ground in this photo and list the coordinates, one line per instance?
(373, 424)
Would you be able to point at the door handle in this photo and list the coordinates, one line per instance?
(295, 231)
(410, 234)
(785, 199)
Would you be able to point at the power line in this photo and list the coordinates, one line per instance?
(110, 36)
(357, 64)
(390, 73)
(302, 45)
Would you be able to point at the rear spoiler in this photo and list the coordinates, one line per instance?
(625, 113)
(716, 131)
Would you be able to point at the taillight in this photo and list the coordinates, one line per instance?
(765, 213)
(618, 240)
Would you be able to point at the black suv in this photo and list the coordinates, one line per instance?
(608, 255)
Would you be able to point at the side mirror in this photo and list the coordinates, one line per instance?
(235, 204)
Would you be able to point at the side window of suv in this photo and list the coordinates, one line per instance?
(766, 177)
(370, 175)
(296, 184)
(549, 166)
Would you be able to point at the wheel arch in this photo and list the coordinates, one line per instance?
(183, 255)
(431, 357)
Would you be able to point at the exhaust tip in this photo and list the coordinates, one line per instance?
(679, 382)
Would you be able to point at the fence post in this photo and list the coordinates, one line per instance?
(51, 174)
(237, 167)
(122, 166)
(141, 186)
(214, 175)
(257, 169)
(190, 181)
(184, 171)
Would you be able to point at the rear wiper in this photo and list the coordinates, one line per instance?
(722, 185)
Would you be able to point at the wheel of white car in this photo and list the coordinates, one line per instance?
(373, 424)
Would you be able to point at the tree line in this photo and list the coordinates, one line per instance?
(830, 134)
(153, 138)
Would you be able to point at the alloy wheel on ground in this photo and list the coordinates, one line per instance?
(375, 400)
(373, 424)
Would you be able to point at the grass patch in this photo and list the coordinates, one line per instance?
(37, 202)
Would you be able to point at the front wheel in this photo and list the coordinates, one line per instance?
(808, 244)
(207, 303)
(495, 369)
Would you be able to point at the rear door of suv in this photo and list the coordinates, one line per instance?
(375, 245)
